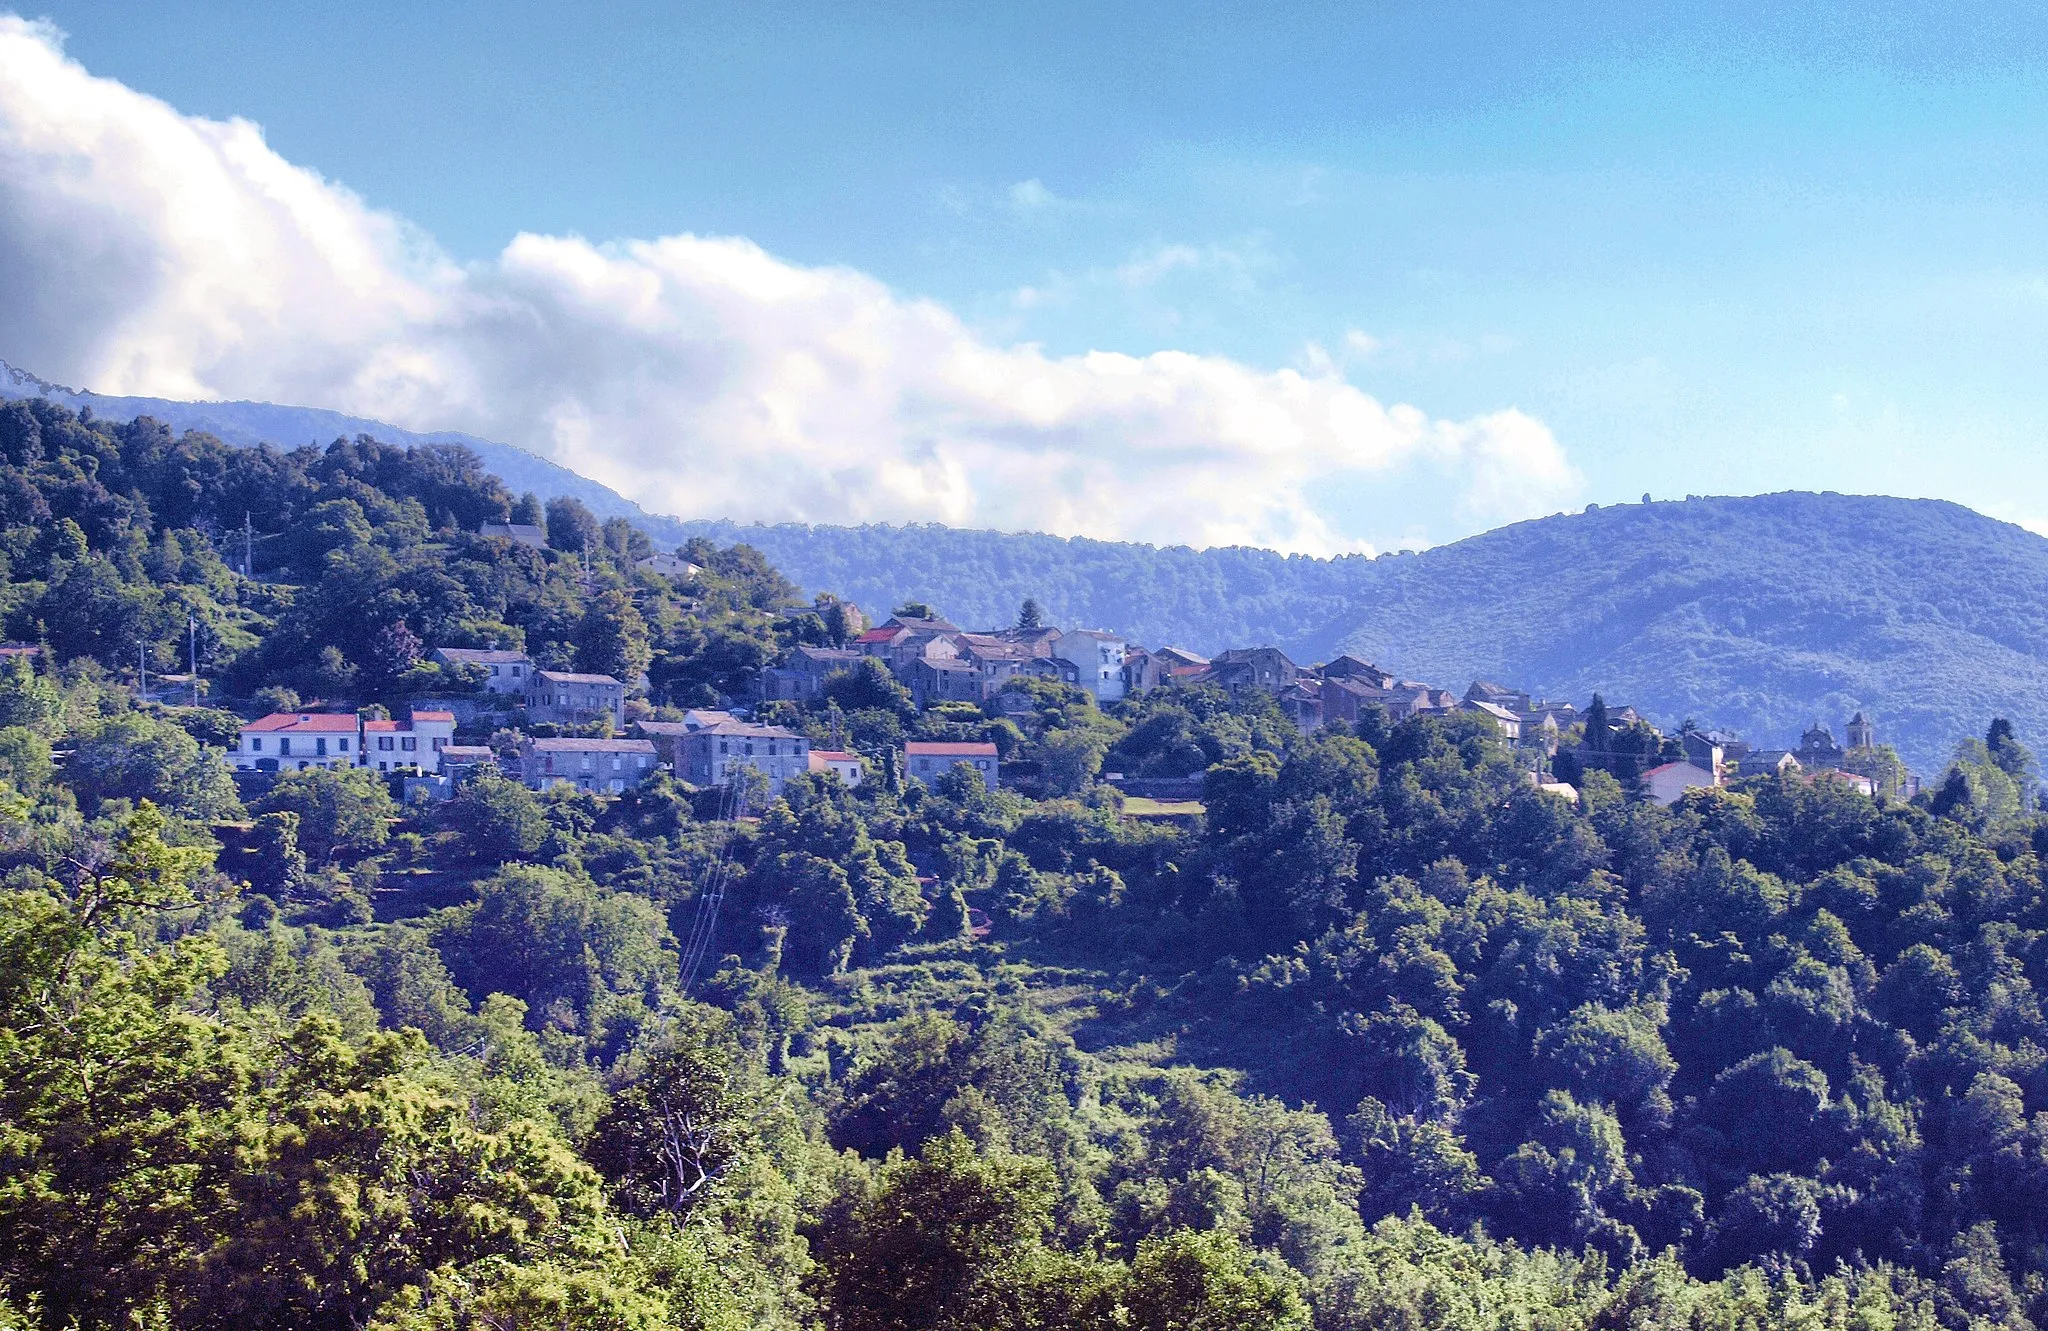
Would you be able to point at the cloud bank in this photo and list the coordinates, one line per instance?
(147, 252)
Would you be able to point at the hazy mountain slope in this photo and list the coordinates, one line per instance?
(249, 423)
(1760, 614)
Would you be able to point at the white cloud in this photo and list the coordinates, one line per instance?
(144, 251)
(1031, 196)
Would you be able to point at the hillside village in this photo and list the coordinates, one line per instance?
(603, 735)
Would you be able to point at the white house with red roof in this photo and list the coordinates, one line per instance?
(1667, 784)
(416, 742)
(928, 760)
(296, 741)
(846, 766)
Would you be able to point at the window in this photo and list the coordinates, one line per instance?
(384, 743)
(439, 743)
(409, 743)
(320, 747)
(344, 746)
(255, 743)
(284, 744)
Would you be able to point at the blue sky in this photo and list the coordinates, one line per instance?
(1758, 248)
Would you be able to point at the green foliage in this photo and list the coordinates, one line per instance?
(345, 811)
(496, 818)
(134, 757)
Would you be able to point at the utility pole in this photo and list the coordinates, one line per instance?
(141, 673)
(192, 652)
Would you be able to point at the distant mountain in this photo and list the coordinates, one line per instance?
(249, 423)
(1759, 614)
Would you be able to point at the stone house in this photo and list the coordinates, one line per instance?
(1346, 697)
(936, 679)
(928, 760)
(1362, 672)
(1767, 762)
(560, 697)
(1054, 667)
(504, 671)
(528, 534)
(673, 567)
(1243, 668)
(711, 754)
(1302, 701)
(997, 660)
(802, 674)
(1510, 724)
(601, 766)
(901, 642)
(1512, 700)
(460, 762)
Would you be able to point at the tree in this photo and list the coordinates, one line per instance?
(941, 1233)
(274, 698)
(527, 511)
(497, 818)
(280, 866)
(1029, 616)
(680, 1119)
(1192, 1281)
(868, 686)
(611, 639)
(133, 757)
(341, 811)
(2011, 757)
(394, 649)
(572, 527)
(30, 700)
(574, 953)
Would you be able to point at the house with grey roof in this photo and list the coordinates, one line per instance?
(601, 766)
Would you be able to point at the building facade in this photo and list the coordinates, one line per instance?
(712, 754)
(601, 766)
(299, 741)
(505, 672)
(928, 760)
(560, 697)
(390, 746)
(1098, 657)
(846, 766)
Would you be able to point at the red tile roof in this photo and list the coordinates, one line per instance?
(433, 716)
(325, 723)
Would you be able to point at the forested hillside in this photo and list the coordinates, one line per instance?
(1379, 1036)
(1758, 615)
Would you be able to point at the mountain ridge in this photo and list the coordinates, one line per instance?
(1758, 613)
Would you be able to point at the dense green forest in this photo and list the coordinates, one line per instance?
(1384, 1037)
